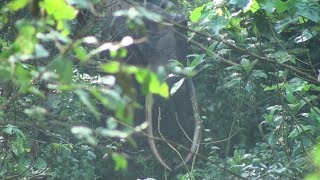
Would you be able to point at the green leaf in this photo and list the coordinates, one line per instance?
(237, 157)
(308, 9)
(26, 40)
(40, 164)
(290, 97)
(85, 99)
(272, 140)
(17, 4)
(24, 78)
(232, 83)
(10, 129)
(101, 97)
(81, 54)
(122, 52)
(59, 9)
(274, 5)
(150, 83)
(316, 155)
(305, 35)
(260, 74)
(269, 118)
(252, 6)
(120, 162)
(111, 67)
(282, 25)
(215, 23)
(300, 129)
(198, 59)
(283, 56)
(195, 15)
(313, 176)
(247, 65)
(297, 85)
(64, 69)
(6, 72)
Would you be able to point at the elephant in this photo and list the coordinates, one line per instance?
(164, 42)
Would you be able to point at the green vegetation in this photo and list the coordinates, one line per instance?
(66, 114)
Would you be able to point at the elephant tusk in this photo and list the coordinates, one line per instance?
(148, 106)
(197, 128)
(197, 124)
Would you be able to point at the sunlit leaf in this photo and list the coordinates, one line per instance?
(15, 5)
(252, 6)
(151, 84)
(111, 67)
(195, 15)
(305, 36)
(59, 9)
(120, 162)
(81, 54)
(176, 86)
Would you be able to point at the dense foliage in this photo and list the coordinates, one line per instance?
(65, 114)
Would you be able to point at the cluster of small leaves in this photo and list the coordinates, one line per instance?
(262, 162)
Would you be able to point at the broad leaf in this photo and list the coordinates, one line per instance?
(63, 67)
(195, 15)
